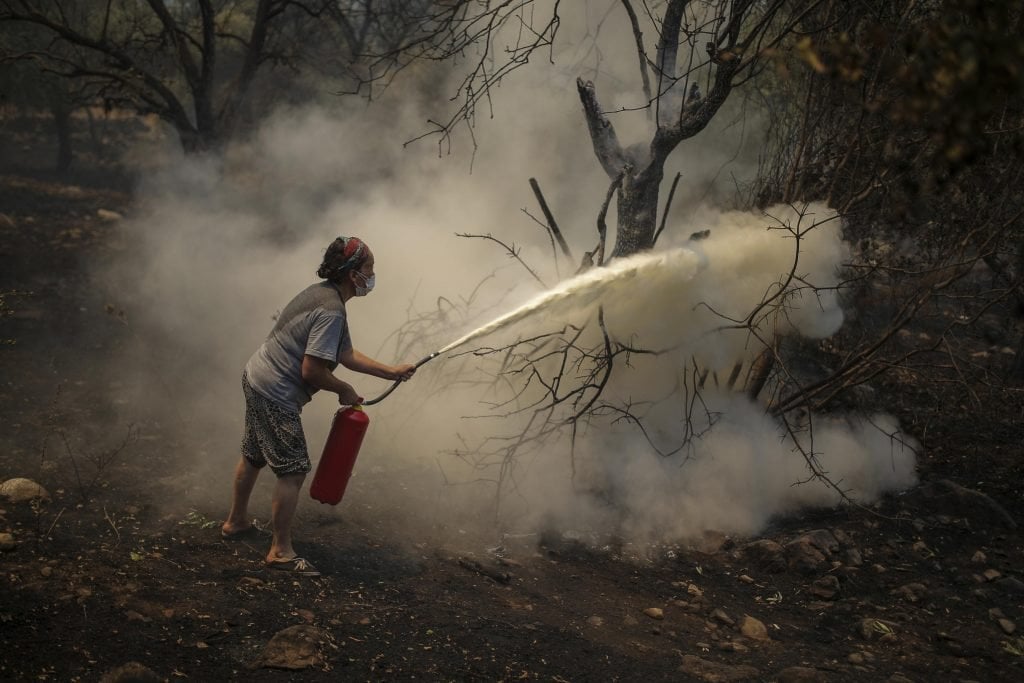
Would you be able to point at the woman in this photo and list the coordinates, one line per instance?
(307, 343)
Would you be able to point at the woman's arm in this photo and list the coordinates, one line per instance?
(317, 373)
(358, 362)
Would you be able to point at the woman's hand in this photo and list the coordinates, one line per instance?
(403, 372)
(347, 396)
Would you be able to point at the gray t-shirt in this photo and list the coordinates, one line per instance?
(312, 323)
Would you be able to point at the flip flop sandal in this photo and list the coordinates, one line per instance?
(295, 565)
(252, 533)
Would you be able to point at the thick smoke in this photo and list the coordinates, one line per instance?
(219, 245)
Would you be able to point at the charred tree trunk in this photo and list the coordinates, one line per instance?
(638, 209)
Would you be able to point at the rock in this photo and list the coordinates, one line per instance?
(721, 617)
(711, 542)
(852, 557)
(875, 629)
(800, 674)
(878, 569)
(732, 646)
(7, 222)
(655, 613)
(922, 550)
(7, 542)
(108, 215)
(694, 591)
(132, 672)
(951, 645)
(746, 579)
(898, 678)
(979, 558)
(952, 498)
(826, 587)
(822, 539)
(629, 620)
(766, 555)
(296, 647)
(21, 490)
(855, 658)
(753, 628)
(46, 571)
(1009, 628)
(595, 621)
(991, 574)
(1011, 585)
(803, 556)
(714, 672)
(911, 592)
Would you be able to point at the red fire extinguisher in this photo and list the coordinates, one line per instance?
(342, 448)
(339, 456)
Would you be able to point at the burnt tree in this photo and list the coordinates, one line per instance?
(725, 42)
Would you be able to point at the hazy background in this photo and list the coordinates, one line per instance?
(220, 244)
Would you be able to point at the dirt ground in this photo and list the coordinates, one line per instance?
(926, 586)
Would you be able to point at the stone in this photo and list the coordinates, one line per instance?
(295, 648)
(898, 678)
(715, 672)
(595, 621)
(746, 579)
(753, 628)
(803, 556)
(1010, 584)
(132, 672)
(108, 215)
(911, 592)
(711, 542)
(855, 658)
(655, 613)
(979, 558)
(766, 555)
(822, 539)
(800, 674)
(958, 500)
(21, 490)
(721, 617)
(7, 542)
(732, 646)
(1009, 628)
(852, 557)
(991, 574)
(826, 587)
(875, 629)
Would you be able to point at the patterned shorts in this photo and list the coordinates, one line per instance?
(273, 435)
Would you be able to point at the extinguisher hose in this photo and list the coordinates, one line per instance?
(397, 382)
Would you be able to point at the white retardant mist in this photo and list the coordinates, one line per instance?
(615, 285)
(592, 287)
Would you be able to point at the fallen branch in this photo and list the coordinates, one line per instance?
(494, 574)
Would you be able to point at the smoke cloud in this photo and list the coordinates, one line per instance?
(219, 244)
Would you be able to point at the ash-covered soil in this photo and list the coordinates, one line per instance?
(122, 571)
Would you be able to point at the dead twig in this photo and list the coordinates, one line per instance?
(552, 225)
(493, 574)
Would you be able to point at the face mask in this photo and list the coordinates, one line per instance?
(368, 283)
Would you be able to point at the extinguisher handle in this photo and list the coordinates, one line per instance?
(397, 382)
